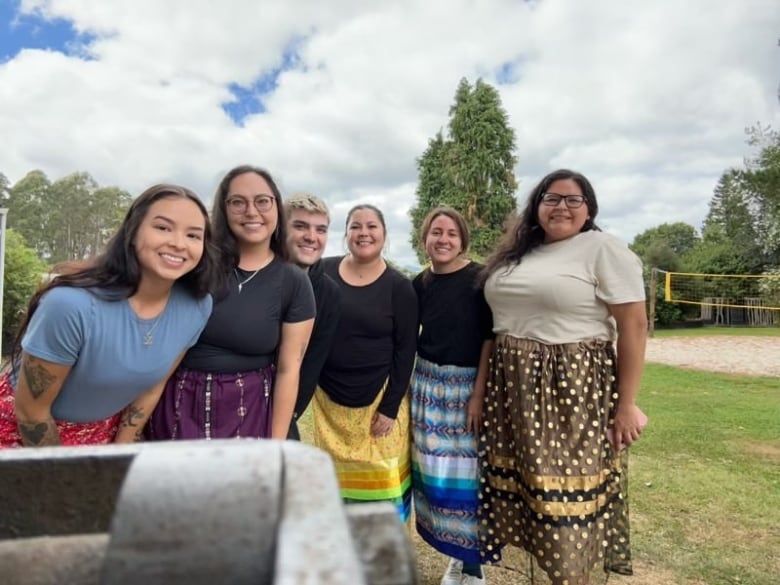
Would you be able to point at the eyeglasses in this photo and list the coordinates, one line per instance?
(571, 201)
(238, 205)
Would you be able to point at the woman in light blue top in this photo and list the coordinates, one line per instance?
(100, 340)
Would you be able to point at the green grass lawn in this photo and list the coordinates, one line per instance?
(704, 483)
(701, 331)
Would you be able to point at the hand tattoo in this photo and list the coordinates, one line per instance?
(39, 434)
(38, 378)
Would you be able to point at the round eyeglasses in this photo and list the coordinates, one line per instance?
(237, 204)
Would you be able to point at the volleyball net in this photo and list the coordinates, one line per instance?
(719, 295)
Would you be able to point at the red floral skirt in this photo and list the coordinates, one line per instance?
(91, 433)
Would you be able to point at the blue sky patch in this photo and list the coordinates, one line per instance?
(508, 72)
(31, 31)
(248, 100)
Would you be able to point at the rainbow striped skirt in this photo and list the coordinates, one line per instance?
(369, 469)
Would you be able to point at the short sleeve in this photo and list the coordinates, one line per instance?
(300, 296)
(618, 273)
(204, 312)
(59, 325)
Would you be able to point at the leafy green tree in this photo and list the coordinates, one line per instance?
(4, 186)
(84, 216)
(69, 219)
(678, 237)
(23, 274)
(716, 253)
(661, 255)
(69, 231)
(661, 247)
(28, 210)
(761, 179)
(471, 169)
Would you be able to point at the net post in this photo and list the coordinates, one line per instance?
(651, 316)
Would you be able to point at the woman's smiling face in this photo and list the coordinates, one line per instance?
(562, 220)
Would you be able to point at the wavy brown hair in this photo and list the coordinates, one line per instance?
(526, 233)
(115, 274)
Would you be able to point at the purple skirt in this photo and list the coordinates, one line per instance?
(201, 405)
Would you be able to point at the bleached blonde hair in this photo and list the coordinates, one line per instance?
(307, 202)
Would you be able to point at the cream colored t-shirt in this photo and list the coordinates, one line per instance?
(559, 292)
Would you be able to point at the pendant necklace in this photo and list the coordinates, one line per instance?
(241, 283)
(149, 333)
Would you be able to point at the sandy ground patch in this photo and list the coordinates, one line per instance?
(755, 356)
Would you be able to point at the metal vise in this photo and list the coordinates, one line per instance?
(194, 513)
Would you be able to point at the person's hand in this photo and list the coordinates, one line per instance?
(381, 425)
(628, 425)
(474, 414)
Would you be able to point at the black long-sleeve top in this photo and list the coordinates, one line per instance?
(375, 341)
(455, 319)
(326, 296)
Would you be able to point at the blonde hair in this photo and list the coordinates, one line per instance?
(307, 202)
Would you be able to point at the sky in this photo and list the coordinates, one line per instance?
(650, 100)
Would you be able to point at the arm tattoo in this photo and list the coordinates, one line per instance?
(131, 416)
(39, 379)
(39, 434)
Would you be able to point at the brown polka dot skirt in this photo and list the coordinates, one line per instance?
(553, 493)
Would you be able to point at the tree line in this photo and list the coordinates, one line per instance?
(740, 234)
(470, 166)
(50, 222)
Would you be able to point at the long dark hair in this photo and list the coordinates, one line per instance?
(116, 273)
(526, 233)
(225, 240)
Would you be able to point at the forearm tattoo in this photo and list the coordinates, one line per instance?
(131, 416)
(39, 434)
(38, 378)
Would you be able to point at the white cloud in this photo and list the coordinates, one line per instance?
(649, 100)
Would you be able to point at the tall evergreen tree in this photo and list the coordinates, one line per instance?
(434, 181)
(730, 213)
(471, 169)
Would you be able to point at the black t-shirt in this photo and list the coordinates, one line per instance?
(375, 341)
(326, 295)
(454, 316)
(244, 328)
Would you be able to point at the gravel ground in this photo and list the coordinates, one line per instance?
(755, 356)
